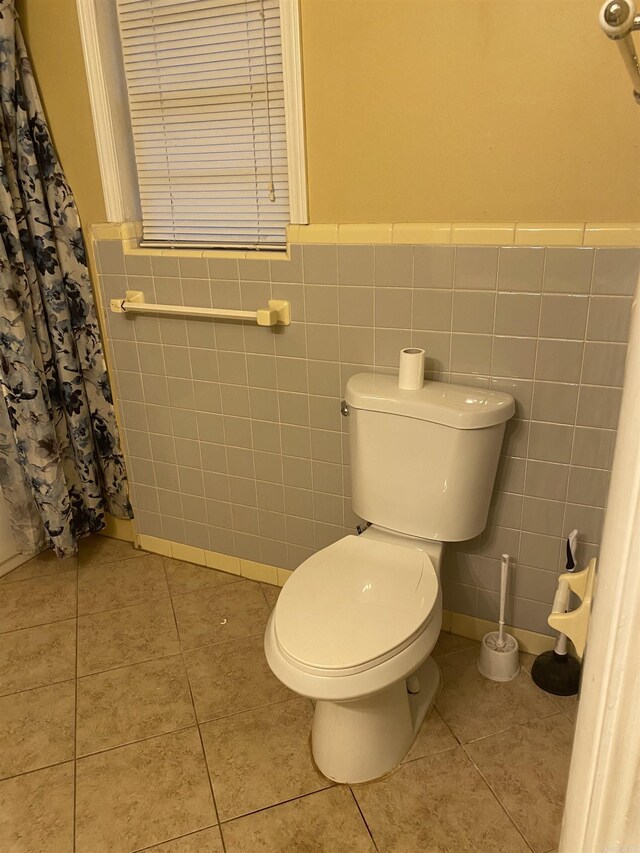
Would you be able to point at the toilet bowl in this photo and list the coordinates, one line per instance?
(355, 624)
(353, 629)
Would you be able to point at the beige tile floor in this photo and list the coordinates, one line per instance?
(137, 712)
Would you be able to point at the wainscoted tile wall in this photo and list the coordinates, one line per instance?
(234, 437)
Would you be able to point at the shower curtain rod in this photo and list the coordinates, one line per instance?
(618, 20)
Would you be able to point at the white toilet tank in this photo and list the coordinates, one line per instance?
(423, 463)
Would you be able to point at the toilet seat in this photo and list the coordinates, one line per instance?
(354, 605)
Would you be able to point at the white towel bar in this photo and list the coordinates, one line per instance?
(278, 312)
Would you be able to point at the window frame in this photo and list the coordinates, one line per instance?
(104, 67)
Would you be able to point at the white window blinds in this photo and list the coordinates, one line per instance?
(205, 87)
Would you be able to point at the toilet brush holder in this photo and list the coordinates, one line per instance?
(499, 658)
(499, 663)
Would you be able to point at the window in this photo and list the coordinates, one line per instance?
(215, 117)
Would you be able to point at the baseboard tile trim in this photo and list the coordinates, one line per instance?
(457, 623)
(187, 553)
(119, 528)
(283, 576)
(154, 545)
(446, 620)
(475, 629)
(259, 572)
(12, 563)
(222, 562)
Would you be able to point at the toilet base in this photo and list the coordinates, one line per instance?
(363, 739)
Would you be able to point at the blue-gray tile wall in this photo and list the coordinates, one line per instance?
(233, 433)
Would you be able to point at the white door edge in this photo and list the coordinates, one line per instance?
(602, 811)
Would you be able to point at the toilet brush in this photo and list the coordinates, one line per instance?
(557, 671)
(499, 659)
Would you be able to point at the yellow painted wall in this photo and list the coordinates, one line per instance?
(467, 110)
(53, 38)
(420, 110)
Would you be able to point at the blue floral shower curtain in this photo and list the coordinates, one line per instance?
(61, 466)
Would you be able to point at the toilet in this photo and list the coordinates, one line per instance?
(355, 624)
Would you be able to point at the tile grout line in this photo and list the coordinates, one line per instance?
(496, 292)
(527, 456)
(530, 418)
(56, 573)
(266, 599)
(169, 594)
(51, 621)
(38, 769)
(247, 710)
(261, 534)
(579, 395)
(139, 552)
(364, 820)
(497, 799)
(104, 751)
(195, 715)
(143, 394)
(142, 739)
(177, 838)
(124, 606)
(125, 665)
(307, 394)
(407, 761)
(522, 725)
(37, 686)
(7, 581)
(150, 660)
(327, 787)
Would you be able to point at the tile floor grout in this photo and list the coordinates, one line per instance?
(38, 686)
(124, 607)
(265, 594)
(8, 583)
(244, 710)
(500, 803)
(143, 739)
(220, 823)
(37, 769)
(364, 820)
(177, 838)
(197, 723)
(39, 625)
(120, 665)
(523, 724)
(329, 786)
(195, 712)
(5, 579)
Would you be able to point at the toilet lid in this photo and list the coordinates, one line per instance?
(354, 602)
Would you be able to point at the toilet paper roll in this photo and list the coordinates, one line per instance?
(411, 374)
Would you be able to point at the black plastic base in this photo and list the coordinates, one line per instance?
(557, 674)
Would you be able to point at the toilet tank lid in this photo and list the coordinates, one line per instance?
(458, 406)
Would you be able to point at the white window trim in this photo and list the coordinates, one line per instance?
(294, 110)
(110, 109)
